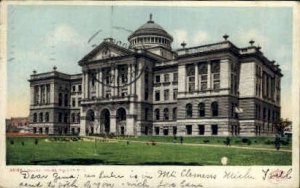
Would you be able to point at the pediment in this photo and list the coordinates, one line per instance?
(104, 51)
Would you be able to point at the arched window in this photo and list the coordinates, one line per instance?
(174, 113)
(157, 114)
(91, 115)
(34, 117)
(47, 116)
(41, 117)
(201, 109)
(166, 114)
(189, 110)
(214, 109)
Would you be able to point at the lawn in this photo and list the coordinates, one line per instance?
(255, 142)
(25, 151)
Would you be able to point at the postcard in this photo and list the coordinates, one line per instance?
(149, 94)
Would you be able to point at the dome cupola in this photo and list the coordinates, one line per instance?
(150, 35)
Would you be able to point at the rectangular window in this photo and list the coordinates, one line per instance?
(124, 93)
(156, 130)
(174, 130)
(215, 70)
(59, 117)
(188, 129)
(146, 113)
(175, 77)
(73, 102)
(216, 81)
(191, 77)
(166, 78)
(48, 93)
(201, 129)
(166, 94)
(79, 88)
(73, 88)
(79, 101)
(157, 79)
(157, 95)
(214, 129)
(175, 91)
(203, 82)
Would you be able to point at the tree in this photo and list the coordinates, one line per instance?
(281, 124)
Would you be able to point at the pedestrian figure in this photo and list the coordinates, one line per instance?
(127, 142)
(181, 139)
(228, 141)
(22, 143)
(277, 142)
(36, 141)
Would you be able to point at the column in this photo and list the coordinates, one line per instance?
(83, 85)
(181, 79)
(116, 82)
(133, 91)
(97, 84)
(82, 122)
(40, 94)
(101, 85)
(87, 87)
(224, 74)
(130, 119)
(113, 124)
(129, 79)
(53, 94)
(32, 95)
(97, 127)
(196, 77)
(209, 75)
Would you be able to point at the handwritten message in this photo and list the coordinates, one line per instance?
(159, 178)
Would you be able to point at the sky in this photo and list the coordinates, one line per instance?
(43, 36)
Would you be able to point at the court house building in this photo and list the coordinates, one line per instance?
(149, 88)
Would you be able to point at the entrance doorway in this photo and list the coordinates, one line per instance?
(121, 121)
(105, 120)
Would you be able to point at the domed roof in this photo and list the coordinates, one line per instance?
(151, 28)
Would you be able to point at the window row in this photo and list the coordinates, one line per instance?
(166, 78)
(165, 114)
(266, 114)
(150, 40)
(62, 117)
(63, 99)
(41, 117)
(41, 94)
(74, 102)
(79, 89)
(188, 130)
(201, 109)
(166, 95)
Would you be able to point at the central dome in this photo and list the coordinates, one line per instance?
(150, 35)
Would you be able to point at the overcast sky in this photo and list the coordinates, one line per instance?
(40, 37)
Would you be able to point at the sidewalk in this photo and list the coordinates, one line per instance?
(192, 144)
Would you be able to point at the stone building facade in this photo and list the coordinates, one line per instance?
(151, 89)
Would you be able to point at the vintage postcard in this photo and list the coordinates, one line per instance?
(149, 94)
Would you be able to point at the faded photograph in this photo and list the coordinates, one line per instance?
(149, 85)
